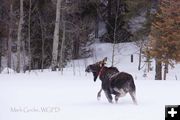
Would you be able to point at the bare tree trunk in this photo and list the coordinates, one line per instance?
(114, 35)
(62, 47)
(97, 27)
(42, 47)
(158, 74)
(76, 47)
(0, 54)
(29, 36)
(85, 65)
(54, 62)
(109, 27)
(23, 56)
(113, 55)
(165, 71)
(79, 68)
(167, 67)
(19, 37)
(73, 63)
(10, 37)
(74, 67)
(140, 59)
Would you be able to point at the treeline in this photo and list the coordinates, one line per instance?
(38, 34)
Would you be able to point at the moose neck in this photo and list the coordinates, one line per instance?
(106, 73)
(101, 71)
(97, 73)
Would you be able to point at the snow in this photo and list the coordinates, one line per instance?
(7, 70)
(52, 96)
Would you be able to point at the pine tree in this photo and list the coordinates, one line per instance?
(115, 22)
(165, 35)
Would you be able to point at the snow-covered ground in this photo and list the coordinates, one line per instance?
(51, 96)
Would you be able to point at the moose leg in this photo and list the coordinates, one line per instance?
(117, 97)
(108, 95)
(133, 96)
(99, 94)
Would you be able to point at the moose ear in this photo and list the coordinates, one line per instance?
(101, 64)
(104, 60)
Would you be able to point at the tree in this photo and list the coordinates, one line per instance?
(54, 62)
(43, 42)
(164, 43)
(6, 28)
(10, 34)
(90, 9)
(62, 46)
(114, 19)
(80, 18)
(140, 30)
(114, 30)
(0, 53)
(38, 32)
(19, 37)
(29, 35)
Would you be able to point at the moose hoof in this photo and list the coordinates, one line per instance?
(98, 98)
(135, 103)
(110, 101)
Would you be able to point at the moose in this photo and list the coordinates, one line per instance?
(113, 82)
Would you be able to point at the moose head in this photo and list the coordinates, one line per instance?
(96, 68)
